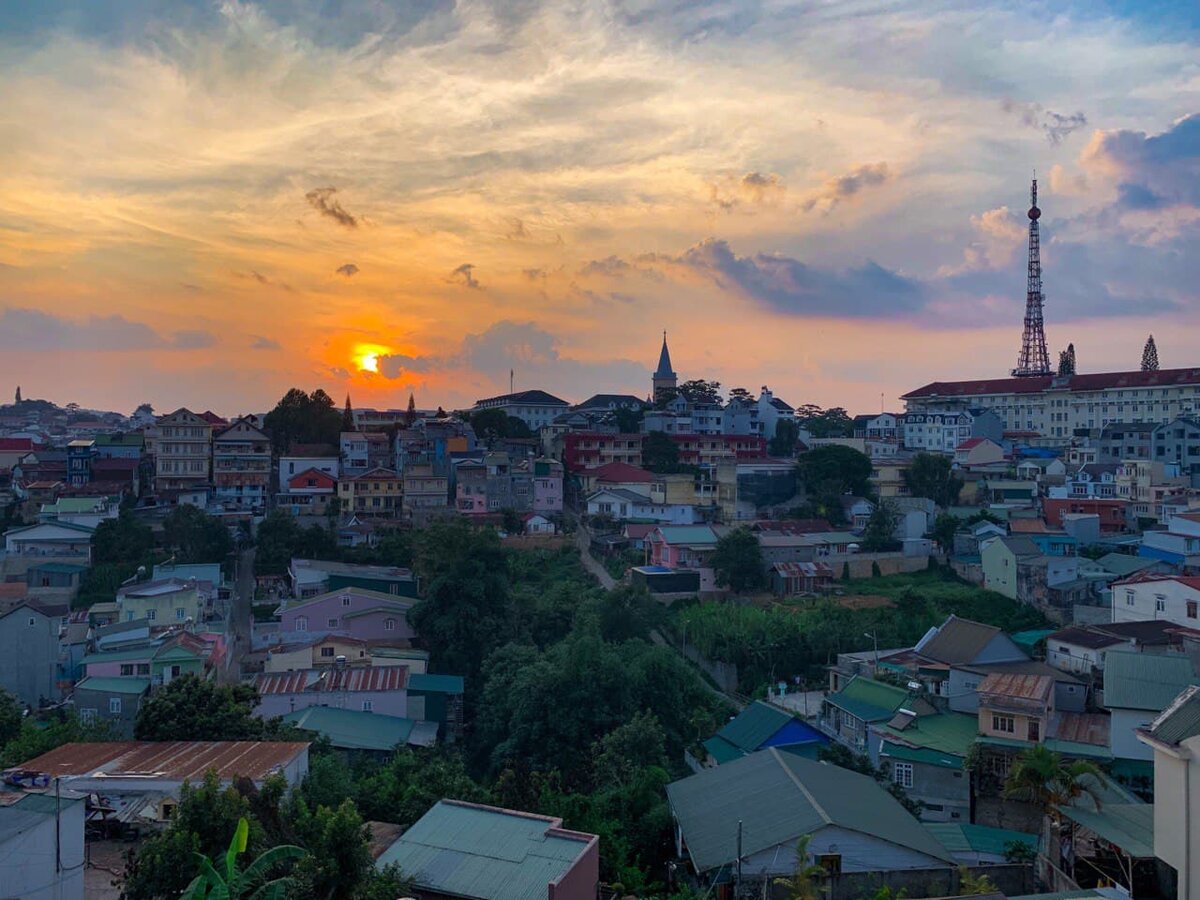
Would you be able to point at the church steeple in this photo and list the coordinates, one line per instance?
(664, 377)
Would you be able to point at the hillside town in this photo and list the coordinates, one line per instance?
(1036, 736)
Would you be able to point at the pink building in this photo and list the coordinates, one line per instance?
(547, 486)
(685, 547)
(382, 690)
(353, 611)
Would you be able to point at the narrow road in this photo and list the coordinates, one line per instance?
(240, 614)
(583, 540)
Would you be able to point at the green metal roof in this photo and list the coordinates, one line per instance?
(1027, 640)
(753, 725)
(1180, 720)
(946, 733)
(723, 751)
(435, 684)
(352, 730)
(1066, 748)
(1129, 826)
(464, 850)
(960, 837)
(111, 685)
(921, 755)
(1146, 681)
(869, 700)
(104, 656)
(73, 505)
(780, 796)
(688, 534)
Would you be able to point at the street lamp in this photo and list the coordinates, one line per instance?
(874, 636)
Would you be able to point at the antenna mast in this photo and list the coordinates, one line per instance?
(1034, 359)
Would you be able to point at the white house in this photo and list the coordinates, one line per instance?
(50, 539)
(1174, 738)
(1175, 598)
(1137, 687)
(534, 408)
(623, 504)
(290, 466)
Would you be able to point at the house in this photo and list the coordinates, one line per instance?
(978, 451)
(1177, 545)
(121, 445)
(338, 649)
(846, 714)
(50, 539)
(1001, 558)
(13, 449)
(758, 726)
(169, 601)
(942, 428)
(241, 460)
(1175, 598)
(1137, 687)
(685, 547)
(349, 729)
(425, 493)
(115, 701)
(980, 845)
(537, 523)
(774, 798)
(373, 690)
(1018, 710)
(477, 852)
(1174, 739)
(302, 457)
(29, 653)
(376, 492)
(1177, 442)
(618, 475)
(547, 487)
(86, 511)
(857, 511)
(791, 578)
(1080, 649)
(309, 492)
(595, 449)
(362, 451)
(535, 408)
(183, 452)
(353, 611)
(925, 753)
(1113, 513)
(310, 577)
(622, 504)
(41, 843)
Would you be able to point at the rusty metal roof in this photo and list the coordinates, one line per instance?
(1017, 687)
(382, 678)
(168, 759)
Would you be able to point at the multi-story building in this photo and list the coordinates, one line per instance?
(426, 492)
(711, 449)
(1178, 544)
(1178, 443)
(547, 486)
(301, 458)
(241, 466)
(941, 428)
(1142, 597)
(1056, 406)
(80, 455)
(377, 492)
(1146, 484)
(364, 450)
(1119, 441)
(534, 408)
(120, 445)
(592, 449)
(183, 452)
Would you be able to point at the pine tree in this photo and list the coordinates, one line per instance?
(1150, 356)
(348, 416)
(18, 393)
(410, 417)
(1066, 361)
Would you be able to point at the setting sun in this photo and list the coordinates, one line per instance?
(366, 357)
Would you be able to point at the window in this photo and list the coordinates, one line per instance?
(150, 614)
(126, 668)
(1004, 723)
(302, 623)
(1129, 601)
(180, 613)
(32, 621)
(332, 623)
(327, 651)
(902, 774)
(143, 668)
(1035, 731)
(368, 706)
(114, 705)
(1160, 603)
(389, 624)
(345, 599)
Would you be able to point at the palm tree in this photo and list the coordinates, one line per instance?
(1045, 778)
(210, 885)
(806, 882)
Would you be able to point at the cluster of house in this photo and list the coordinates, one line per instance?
(943, 722)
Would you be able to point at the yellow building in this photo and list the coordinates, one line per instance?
(377, 492)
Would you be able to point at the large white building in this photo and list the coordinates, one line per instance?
(1054, 406)
(534, 408)
(1175, 598)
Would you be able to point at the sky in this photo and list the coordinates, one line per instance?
(207, 203)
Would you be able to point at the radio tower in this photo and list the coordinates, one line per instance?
(1034, 360)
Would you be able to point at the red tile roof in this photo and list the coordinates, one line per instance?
(969, 443)
(323, 479)
(1098, 381)
(172, 759)
(1191, 581)
(10, 444)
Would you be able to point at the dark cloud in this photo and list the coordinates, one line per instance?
(193, 339)
(755, 188)
(609, 267)
(465, 275)
(1056, 126)
(34, 330)
(264, 343)
(349, 270)
(843, 187)
(534, 274)
(323, 201)
(1153, 170)
(255, 275)
(393, 365)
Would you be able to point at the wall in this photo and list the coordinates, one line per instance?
(860, 563)
(29, 858)
(1124, 742)
(384, 703)
(29, 655)
(723, 673)
(1176, 825)
(1012, 880)
(582, 880)
(939, 786)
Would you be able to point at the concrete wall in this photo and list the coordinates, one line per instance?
(29, 655)
(1176, 828)
(938, 786)
(582, 880)
(860, 563)
(1123, 741)
(29, 858)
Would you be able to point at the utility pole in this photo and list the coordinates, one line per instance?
(737, 872)
(57, 824)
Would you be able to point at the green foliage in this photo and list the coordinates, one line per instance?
(628, 421)
(280, 539)
(945, 526)
(659, 453)
(807, 881)
(737, 561)
(189, 709)
(783, 442)
(511, 521)
(300, 418)
(1020, 852)
(931, 476)
(1050, 780)
(11, 716)
(250, 882)
(409, 784)
(825, 423)
(972, 885)
(834, 469)
(38, 736)
(195, 536)
(338, 859)
(700, 391)
(491, 425)
(878, 535)
(122, 541)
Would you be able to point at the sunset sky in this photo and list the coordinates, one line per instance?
(207, 203)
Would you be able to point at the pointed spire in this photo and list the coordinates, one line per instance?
(410, 417)
(348, 416)
(664, 361)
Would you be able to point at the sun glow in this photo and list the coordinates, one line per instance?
(366, 357)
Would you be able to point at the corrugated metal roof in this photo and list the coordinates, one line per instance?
(957, 641)
(436, 684)
(351, 680)
(779, 797)
(959, 837)
(352, 730)
(172, 759)
(1129, 826)
(869, 700)
(114, 685)
(753, 725)
(1016, 686)
(1147, 681)
(949, 733)
(1180, 720)
(466, 850)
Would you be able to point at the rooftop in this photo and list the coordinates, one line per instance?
(869, 700)
(168, 759)
(527, 397)
(1145, 681)
(1180, 720)
(957, 641)
(381, 678)
(1017, 686)
(467, 850)
(350, 729)
(1094, 382)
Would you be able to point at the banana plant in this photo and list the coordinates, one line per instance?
(240, 885)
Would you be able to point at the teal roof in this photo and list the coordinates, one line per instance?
(464, 850)
(1180, 720)
(114, 685)
(1146, 681)
(688, 534)
(948, 733)
(753, 725)
(921, 755)
(869, 700)
(1129, 826)
(103, 656)
(73, 505)
(722, 751)
(1027, 640)
(435, 684)
(352, 730)
(780, 796)
(960, 837)
(1066, 748)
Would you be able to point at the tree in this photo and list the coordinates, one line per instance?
(491, 425)
(195, 536)
(1066, 361)
(659, 453)
(807, 881)
(945, 526)
(11, 717)
(189, 709)
(783, 443)
(122, 540)
(1050, 781)
(628, 421)
(741, 395)
(303, 418)
(1150, 356)
(737, 561)
(280, 538)
(338, 860)
(932, 477)
(348, 416)
(833, 464)
(823, 423)
(37, 737)
(878, 535)
(410, 415)
(970, 885)
(701, 391)
(620, 755)
(250, 882)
